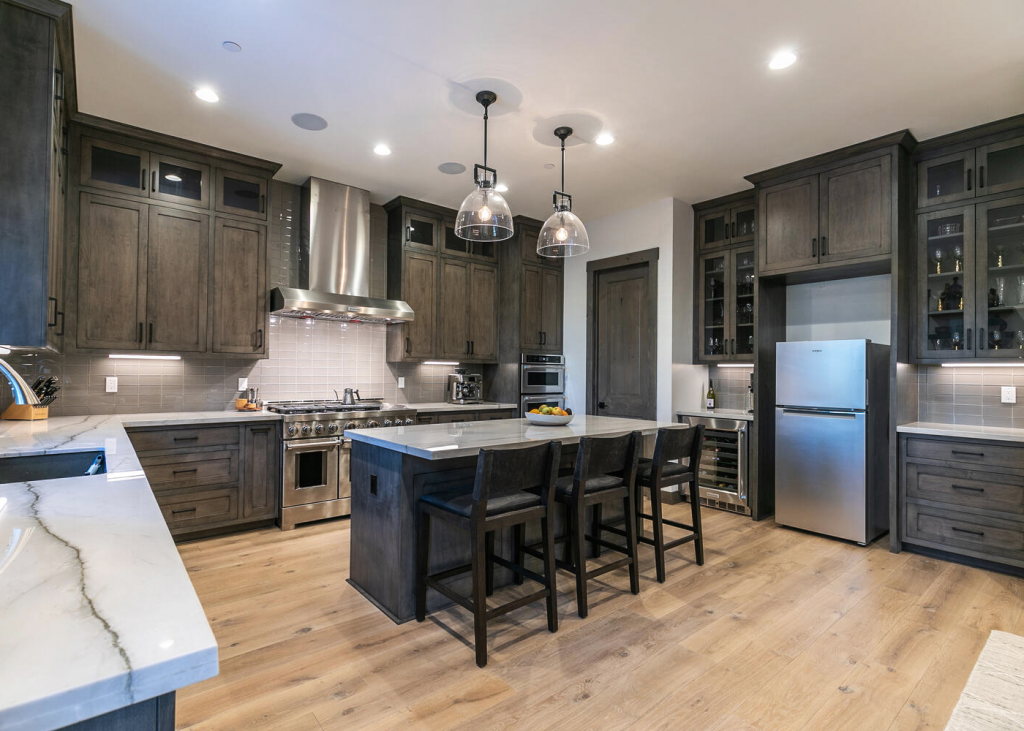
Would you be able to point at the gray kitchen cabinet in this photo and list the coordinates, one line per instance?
(112, 166)
(527, 233)
(551, 310)
(261, 471)
(112, 236)
(483, 313)
(983, 170)
(241, 194)
(177, 259)
(540, 305)
(417, 275)
(179, 181)
(733, 224)
(468, 313)
(788, 236)
(239, 283)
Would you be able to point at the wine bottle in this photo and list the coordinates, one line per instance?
(711, 396)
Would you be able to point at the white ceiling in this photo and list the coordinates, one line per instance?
(683, 85)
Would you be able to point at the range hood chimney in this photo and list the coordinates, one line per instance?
(334, 260)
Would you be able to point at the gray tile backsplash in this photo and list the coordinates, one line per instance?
(969, 395)
(730, 386)
(308, 359)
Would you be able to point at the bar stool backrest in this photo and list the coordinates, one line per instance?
(678, 442)
(505, 471)
(607, 455)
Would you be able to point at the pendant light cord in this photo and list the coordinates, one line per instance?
(563, 165)
(485, 135)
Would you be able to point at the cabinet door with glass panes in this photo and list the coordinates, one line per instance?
(1000, 278)
(715, 313)
(946, 272)
(1000, 166)
(741, 340)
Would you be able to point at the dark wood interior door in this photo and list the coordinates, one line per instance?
(239, 287)
(855, 210)
(454, 311)
(624, 342)
(483, 312)
(111, 261)
(179, 247)
(530, 302)
(789, 237)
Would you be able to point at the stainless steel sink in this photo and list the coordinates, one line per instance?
(51, 466)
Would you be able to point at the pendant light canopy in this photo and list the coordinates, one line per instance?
(484, 215)
(563, 234)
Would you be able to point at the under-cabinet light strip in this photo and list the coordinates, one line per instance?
(129, 356)
(976, 364)
(735, 365)
(441, 362)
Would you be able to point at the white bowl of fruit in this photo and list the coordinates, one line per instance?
(549, 416)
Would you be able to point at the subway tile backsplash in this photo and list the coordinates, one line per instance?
(730, 386)
(969, 395)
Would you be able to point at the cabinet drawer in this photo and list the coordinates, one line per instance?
(492, 415)
(967, 452)
(969, 488)
(173, 471)
(214, 436)
(456, 417)
(199, 508)
(952, 530)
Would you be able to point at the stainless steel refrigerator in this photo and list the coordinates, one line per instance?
(832, 438)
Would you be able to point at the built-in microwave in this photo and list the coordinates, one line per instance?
(542, 374)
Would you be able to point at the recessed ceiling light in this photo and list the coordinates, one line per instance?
(605, 138)
(207, 94)
(452, 168)
(312, 122)
(382, 149)
(549, 165)
(173, 178)
(501, 188)
(782, 60)
(231, 47)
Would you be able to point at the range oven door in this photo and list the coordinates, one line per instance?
(345, 469)
(310, 471)
(535, 402)
(537, 379)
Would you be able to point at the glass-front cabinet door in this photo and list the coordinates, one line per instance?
(421, 233)
(946, 179)
(946, 264)
(742, 224)
(451, 244)
(241, 194)
(1000, 278)
(110, 166)
(714, 314)
(741, 343)
(714, 228)
(1001, 166)
(179, 181)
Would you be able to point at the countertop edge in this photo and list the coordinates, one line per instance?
(734, 414)
(962, 431)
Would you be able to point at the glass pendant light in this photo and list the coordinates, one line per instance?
(563, 234)
(484, 215)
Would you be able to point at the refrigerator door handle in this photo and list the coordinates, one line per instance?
(823, 412)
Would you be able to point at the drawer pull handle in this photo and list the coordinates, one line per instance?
(969, 454)
(968, 487)
(193, 439)
(971, 532)
(179, 472)
(183, 510)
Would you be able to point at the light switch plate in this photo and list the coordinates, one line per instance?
(243, 383)
(111, 384)
(401, 381)
(1008, 395)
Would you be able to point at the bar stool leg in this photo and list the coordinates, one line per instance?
(579, 555)
(634, 566)
(518, 539)
(422, 563)
(489, 561)
(659, 534)
(595, 530)
(480, 597)
(547, 530)
(698, 541)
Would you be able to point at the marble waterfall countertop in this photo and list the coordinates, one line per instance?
(465, 439)
(432, 406)
(736, 414)
(963, 431)
(97, 611)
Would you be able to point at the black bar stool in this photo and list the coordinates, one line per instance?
(673, 443)
(605, 471)
(500, 498)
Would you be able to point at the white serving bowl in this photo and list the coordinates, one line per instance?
(548, 419)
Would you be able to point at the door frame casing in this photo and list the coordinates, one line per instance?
(597, 266)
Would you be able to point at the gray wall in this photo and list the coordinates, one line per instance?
(307, 360)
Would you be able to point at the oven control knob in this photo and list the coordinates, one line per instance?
(332, 427)
(305, 429)
(319, 428)
(409, 422)
(350, 425)
(292, 430)
(373, 424)
(387, 422)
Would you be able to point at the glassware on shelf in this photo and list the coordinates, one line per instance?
(956, 340)
(958, 259)
(1000, 291)
(938, 261)
(1020, 340)
(997, 339)
(937, 344)
(1020, 289)
(999, 256)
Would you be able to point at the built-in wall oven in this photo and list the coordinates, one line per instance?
(722, 473)
(541, 374)
(528, 403)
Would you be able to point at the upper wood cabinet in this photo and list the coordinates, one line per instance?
(540, 308)
(239, 283)
(421, 233)
(725, 306)
(528, 236)
(113, 166)
(177, 259)
(179, 181)
(725, 226)
(997, 167)
(468, 313)
(840, 215)
(417, 284)
(452, 245)
(241, 194)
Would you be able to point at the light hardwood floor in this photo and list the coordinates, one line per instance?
(778, 630)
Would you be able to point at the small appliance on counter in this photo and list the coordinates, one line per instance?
(465, 388)
(29, 403)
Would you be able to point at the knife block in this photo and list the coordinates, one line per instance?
(25, 412)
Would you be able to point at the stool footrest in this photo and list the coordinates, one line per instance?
(609, 567)
(447, 574)
(442, 589)
(607, 544)
(500, 561)
(681, 541)
(516, 603)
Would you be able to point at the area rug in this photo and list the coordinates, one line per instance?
(993, 699)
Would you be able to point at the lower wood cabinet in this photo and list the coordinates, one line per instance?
(212, 478)
(451, 417)
(963, 496)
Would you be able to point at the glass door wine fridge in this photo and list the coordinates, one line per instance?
(722, 473)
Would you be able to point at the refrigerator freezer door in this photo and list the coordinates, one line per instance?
(821, 472)
(824, 374)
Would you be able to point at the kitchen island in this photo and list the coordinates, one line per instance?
(393, 467)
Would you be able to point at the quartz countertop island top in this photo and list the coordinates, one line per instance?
(444, 406)
(465, 439)
(737, 414)
(963, 431)
(97, 611)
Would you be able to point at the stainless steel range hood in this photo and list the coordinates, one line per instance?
(334, 260)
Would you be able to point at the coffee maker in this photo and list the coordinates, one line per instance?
(465, 388)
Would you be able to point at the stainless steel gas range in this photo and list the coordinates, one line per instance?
(315, 462)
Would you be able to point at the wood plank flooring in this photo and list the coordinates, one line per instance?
(778, 630)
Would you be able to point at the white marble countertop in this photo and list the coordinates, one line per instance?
(737, 414)
(963, 431)
(97, 611)
(444, 406)
(465, 439)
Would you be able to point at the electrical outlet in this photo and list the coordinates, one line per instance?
(111, 384)
(243, 383)
(1008, 395)
(401, 381)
